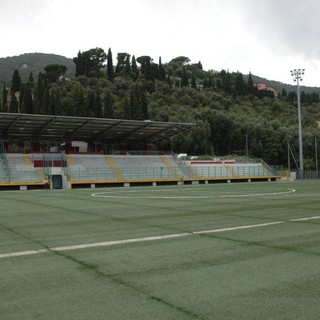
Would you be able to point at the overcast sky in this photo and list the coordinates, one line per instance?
(265, 37)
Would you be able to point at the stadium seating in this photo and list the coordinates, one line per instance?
(3, 172)
(140, 167)
(21, 170)
(89, 167)
(95, 168)
(226, 170)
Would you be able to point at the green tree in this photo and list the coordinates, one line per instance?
(211, 81)
(162, 71)
(54, 72)
(123, 65)
(39, 93)
(108, 106)
(4, 105)
(98, 110)
(145, 66)
(240, 86)
(21, 96)
(193, 81)
(31, 80)
(55, 101)
(144, 106)
(78, 106)
(80, 62)
(90, 105)
(46, 101)
(250, 85)
(184, 78)
(135, 104)
(90, 63)
(27, 100)
(13, 105)
(16, 81)
(134, 68)
(110, 71)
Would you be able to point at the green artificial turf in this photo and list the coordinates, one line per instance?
(239, 251)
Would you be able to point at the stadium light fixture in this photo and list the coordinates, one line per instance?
(297, 75)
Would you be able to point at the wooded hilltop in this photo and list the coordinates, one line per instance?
(233, 116)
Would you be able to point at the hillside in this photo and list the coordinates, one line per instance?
(35, 62)
(31, 62)
(279, 85)
(232, 116)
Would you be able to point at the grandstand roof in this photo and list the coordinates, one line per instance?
(61, 128)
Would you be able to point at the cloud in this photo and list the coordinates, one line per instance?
(287, 26)
(267, 38)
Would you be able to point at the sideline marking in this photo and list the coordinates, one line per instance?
(146, 239)
(106, 195)
(305, 219)
(239, 228)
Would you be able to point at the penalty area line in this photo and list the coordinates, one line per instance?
(147, 239)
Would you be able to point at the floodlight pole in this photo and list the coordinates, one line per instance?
(297, 76)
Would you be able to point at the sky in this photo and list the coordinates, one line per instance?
(265, 37)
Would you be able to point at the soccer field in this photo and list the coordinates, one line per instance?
(217, 251)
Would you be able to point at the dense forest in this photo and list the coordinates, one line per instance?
(233, 117)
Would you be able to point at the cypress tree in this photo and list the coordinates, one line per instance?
(55, 101)
(144, 106)
(13, 105)
(98, 113)
(211, 82)
(128, 66)
(80, 64)
(46, 101)
(21, 98)
(126, 108)
(39, 94)
(193, 81)
(149, 71)
(110, 71)
(31, 80)
(239, 84)
(225, 81)
(250, 86)
(135, 104)
(205, 83)
(31, 77)
(4, 107)
(16, 81)
(184, 78)
(134, 68)
(26, 104)
(162, 71)
(88, 108)
(108, 106)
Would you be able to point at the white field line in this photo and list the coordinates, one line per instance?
(146, 239)
(115, 242)
(108, 194)
(239, 228)
(22, 253)
(305, 219)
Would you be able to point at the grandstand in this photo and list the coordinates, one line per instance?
(98, 168)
